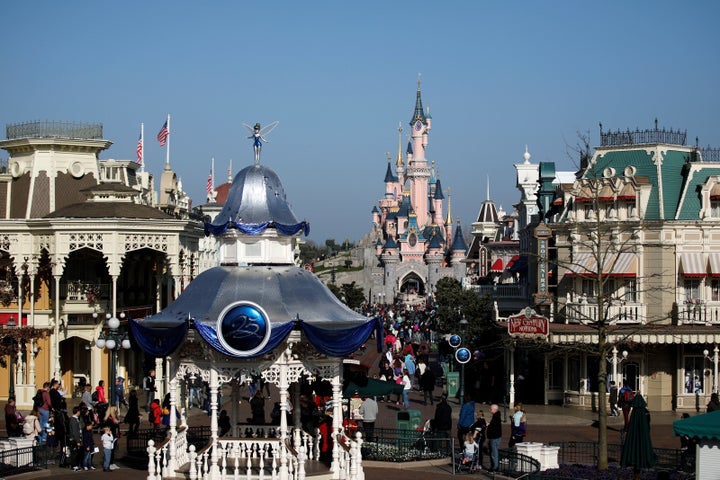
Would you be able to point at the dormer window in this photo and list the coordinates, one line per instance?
(715, 201)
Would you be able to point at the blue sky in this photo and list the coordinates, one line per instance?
(339, 76)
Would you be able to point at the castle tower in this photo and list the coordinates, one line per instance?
(418, 171)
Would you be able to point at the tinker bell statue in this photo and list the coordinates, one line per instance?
(258, 136)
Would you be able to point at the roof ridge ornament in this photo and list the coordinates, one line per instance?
(257, 134)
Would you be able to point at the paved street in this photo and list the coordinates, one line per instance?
(544, 424)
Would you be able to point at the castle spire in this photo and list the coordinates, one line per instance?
(419, 113)
(488, 187)
(400, 162)
(449, 220)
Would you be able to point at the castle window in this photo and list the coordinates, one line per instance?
(715, 208)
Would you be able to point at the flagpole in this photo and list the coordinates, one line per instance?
(212, 172)
(167, 153)
(142, 147)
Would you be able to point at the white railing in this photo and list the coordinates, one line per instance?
(158, 460)
(350, 457)
(615, 313)
(707, 313)
(248, 458)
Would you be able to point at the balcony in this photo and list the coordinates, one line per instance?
(78, 291)
(499, 291)
(704, 313)
(586, 311)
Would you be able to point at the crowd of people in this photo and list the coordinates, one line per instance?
(69, 435)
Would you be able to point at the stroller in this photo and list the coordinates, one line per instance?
(464, 464)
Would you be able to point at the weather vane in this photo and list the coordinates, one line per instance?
(257, 134)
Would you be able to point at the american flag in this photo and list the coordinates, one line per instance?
(163, 134)
(209, 187)
(139, 150)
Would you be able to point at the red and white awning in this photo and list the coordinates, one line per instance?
(497, 266)
(693, 265)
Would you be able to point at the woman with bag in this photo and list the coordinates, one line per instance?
(31, 428)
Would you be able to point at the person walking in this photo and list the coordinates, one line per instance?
(466, 419)
(494, 434)
(517, 428)
(88, 447)
(132, 417)
(407, 386)
(13, 419)
(44, 411)
(108, 444)
(613, 399)
(75, 439)
(480, 429)
(149, 388)
(368, 410)
(427, 385)
(120, 393)
(442, 421)
(195, 382)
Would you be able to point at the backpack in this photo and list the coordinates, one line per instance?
(38, 400)
(94, 396)
(29, 428)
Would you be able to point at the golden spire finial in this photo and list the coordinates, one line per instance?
(400, 162)
(449, 220)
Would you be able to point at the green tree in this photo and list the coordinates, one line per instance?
(349, 293)
(455, 302)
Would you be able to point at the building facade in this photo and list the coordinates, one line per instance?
(83, 240)
(634, 261)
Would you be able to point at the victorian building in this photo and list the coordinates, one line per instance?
(82, 240)
(633, 262)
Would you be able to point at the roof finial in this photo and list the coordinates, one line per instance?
(257, 134)
(449, 220)
(419, 80)
(230, 172)
(488, 187)
(526, 155)
(400, 162)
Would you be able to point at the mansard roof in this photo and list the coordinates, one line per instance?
(109, 210)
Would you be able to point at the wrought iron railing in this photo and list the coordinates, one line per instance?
(642, 137)
(586, 453)
(25, 459)
(709, 154)
(399, 445)
(49, 129)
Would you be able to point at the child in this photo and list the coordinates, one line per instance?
(108, 442)
(88, 446)
(470, 447)
(155, 414)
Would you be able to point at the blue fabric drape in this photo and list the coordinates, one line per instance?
(338, 342)
(158, 342)
(334, 342)
(257, 228)
(277, 335)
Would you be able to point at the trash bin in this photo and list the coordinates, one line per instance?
(408, 423)
(408, 420)
(453, 383)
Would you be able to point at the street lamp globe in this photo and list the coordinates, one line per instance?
(126, 344)
(100, 343)
(110, 344)
(113, 323)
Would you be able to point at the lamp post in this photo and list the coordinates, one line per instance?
(714, 359)
(462, 355)
(112, 340)
(615, 361)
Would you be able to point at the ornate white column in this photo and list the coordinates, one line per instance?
(337, 422)
(56, 332)
(172, 453)
(214, 384)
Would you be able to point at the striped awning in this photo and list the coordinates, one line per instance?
(512, 262)
(715, 192)
(623, 264)
(497, 266)
(714, 264)
(693, 265)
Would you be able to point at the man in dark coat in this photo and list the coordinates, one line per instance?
(494, 432)
(442, 422)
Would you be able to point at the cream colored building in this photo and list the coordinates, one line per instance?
(82, 239)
